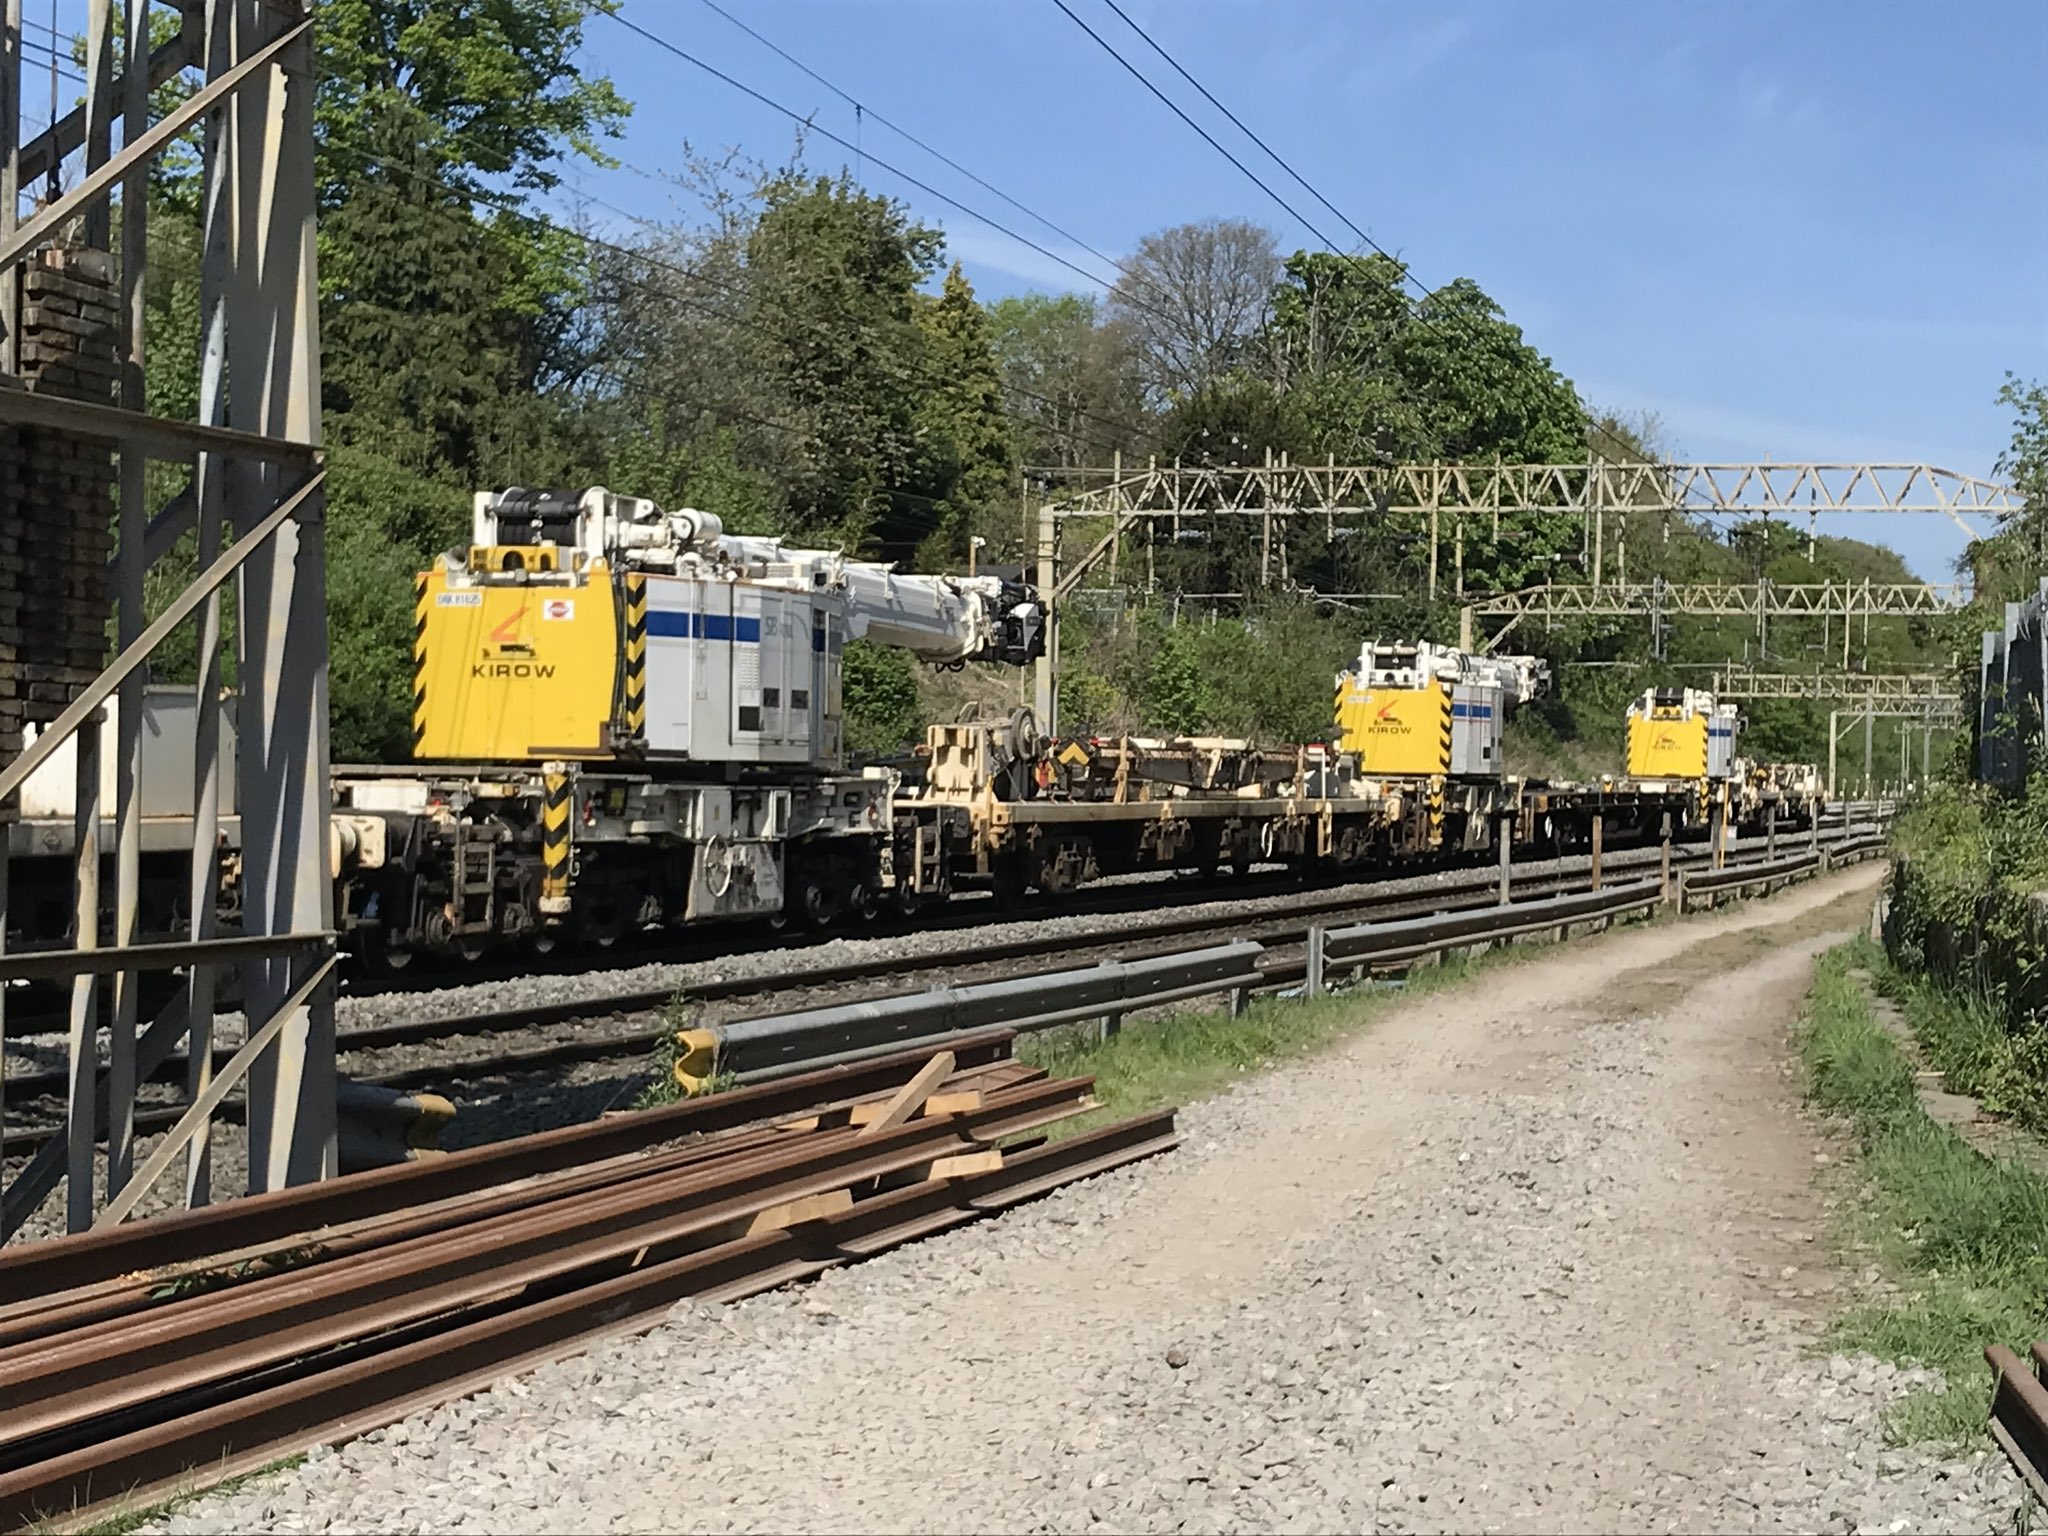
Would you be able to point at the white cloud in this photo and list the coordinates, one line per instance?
(980, 246)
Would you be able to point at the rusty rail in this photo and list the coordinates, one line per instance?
(173, 1353)
(2019, 1412)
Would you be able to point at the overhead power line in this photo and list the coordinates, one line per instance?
(847, 144)
(1271, 153)
(513, 206)
(1135, 274)
(939, 155)
(1277, 159)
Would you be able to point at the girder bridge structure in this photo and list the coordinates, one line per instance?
(1446, 504)
(96, 491)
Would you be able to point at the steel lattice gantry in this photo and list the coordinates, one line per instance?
(1754, 600)
(1914, 693)
(1764, 490)
(251, 499)
(1443, 499)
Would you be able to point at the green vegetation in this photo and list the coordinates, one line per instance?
(1173, 1060)
(1967, 939)
(1964, 1236)
(1968, 1039)
(124, 1521)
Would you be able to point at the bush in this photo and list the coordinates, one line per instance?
(879, 693)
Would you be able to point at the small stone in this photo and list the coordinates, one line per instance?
(1176, 1356)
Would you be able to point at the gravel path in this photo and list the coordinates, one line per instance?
(1535, 1253)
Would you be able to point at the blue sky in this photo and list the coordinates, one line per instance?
(1803, 229)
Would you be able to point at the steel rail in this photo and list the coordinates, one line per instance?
(86, 1258)
(28, 1085)
(1124, 942)
(759, 1049)
(335, 1396)
(652, 1001)
(104, 1300)
(2019, 1412)
(643, 1215)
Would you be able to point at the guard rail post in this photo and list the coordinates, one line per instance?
(1599, 829)
(1240, 1001)
(1312, 985)
(1771, 830)
(1404, 943)
(1507, 853)
(1664, 864)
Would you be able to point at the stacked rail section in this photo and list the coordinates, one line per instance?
(136, 1360)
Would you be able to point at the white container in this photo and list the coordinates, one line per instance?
(169, 726)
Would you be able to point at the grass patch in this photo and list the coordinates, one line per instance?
(663, 1088)
(1966, 1237)
(1964, 1034)
(123, 1521)
(1180, 1057)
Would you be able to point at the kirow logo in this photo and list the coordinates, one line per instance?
(484, 670)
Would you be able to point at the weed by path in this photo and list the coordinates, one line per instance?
(1966, 1237)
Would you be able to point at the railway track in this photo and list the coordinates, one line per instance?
(633, 1023)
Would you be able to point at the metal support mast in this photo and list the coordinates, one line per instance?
(253, 492)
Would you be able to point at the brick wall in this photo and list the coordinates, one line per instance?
(57, 494)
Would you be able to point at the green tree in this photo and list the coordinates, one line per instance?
(832, 278)
(1376, 376)
(2007, 566)
(436, 316)
(497, 84)
(1075, 393)
(385, 524)
(416, 343)
(880, 698)
(970, 469)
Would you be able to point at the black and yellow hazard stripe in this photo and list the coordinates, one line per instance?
(635, 699)
(419, 663)
(557, 801)
(1443, 730)
(1435, 803)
